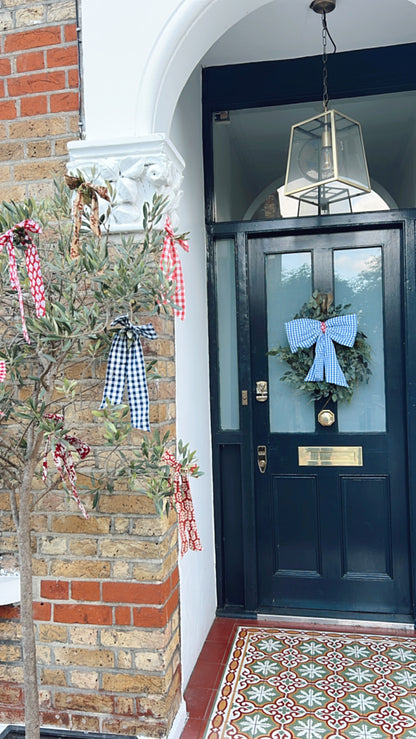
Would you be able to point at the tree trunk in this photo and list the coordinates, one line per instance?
(31, 692)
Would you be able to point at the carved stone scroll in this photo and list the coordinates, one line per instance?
(136, 169)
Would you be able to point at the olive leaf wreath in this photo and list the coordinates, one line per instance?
(354, 362)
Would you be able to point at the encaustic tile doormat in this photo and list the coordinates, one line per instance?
(287, 684)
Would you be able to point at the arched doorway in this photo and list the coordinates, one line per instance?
(301, 534)
(284, 21)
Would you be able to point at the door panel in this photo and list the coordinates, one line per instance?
(366, 526)
(296, 524)
(331, 538)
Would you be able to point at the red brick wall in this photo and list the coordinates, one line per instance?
(106, 589)
(38, 95)
(106, 594)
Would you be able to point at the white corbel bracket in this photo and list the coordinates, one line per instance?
(137, 169)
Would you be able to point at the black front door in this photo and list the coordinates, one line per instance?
(332, 524)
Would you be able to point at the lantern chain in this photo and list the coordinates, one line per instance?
(325, 34)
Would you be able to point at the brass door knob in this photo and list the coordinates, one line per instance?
(326, 417)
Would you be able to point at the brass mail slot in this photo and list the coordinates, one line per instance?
(330, 456)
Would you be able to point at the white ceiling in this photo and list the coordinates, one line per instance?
(286, 29)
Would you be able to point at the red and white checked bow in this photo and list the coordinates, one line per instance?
(2, 370)
(37, 289)
(171, 266)
(63, 460)
(184, 505)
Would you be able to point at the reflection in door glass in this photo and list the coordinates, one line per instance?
(227, 334)
(358, 280)
(288, 286)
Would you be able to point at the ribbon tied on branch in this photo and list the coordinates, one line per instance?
(184, 505)
(126, 363)
(64, 462)
(171, 267)
(86, 195)
(21, 232)
(304, 332)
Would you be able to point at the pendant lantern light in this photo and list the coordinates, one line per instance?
(326, 162)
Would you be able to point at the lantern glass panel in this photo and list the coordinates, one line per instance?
(304, 165)
(350, 150)
(326, 160)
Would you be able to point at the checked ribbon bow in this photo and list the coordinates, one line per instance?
(184, 506)
(303, 332)
(126, 362)
(63, 460)
(23, 230)
(171, 266)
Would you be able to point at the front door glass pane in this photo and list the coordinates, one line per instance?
(358, 280)
(288, 286)
(227, 334)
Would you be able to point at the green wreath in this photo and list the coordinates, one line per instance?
(354, 362)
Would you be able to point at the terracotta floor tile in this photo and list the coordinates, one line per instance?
(210, 704)
(197, 700)
(220, 632)
(213, 651)
(194, 728)
(207, 675)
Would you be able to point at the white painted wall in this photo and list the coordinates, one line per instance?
(137, 60)
(116, 42)
(197, 569)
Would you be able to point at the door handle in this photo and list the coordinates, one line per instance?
(261, 391)
(262, 458)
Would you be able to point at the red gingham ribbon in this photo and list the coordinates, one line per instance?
(184, 505)
(171, 266)
(64, 462)
(33, 268)
(2, 370)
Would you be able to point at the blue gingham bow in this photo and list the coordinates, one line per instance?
(303, 332)
(126, 362)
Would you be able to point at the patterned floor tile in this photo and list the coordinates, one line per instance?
(295, 684)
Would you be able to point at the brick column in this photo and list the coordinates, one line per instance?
(106, 596)
(106, 590)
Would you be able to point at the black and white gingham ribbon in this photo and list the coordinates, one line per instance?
(126, 362)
